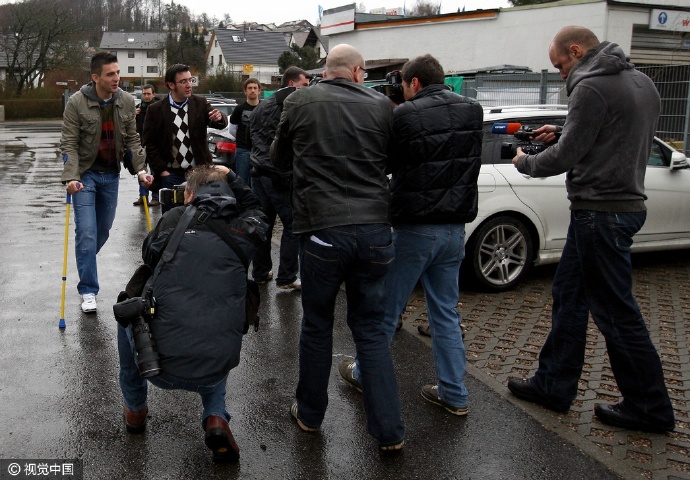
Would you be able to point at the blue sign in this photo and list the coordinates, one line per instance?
(663, 18)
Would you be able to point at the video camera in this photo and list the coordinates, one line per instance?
(134, 312)
(525, 136)
(172, 196)
(392, 88)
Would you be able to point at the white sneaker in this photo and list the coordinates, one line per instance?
(89, 304)
(296, 285)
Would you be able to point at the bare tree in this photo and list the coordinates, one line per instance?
(38, 36)
(423, 9)
(519, 3)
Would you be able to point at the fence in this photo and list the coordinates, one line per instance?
(672, 82)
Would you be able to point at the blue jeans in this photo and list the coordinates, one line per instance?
(276, 201)
(360, 256)
(94, 213)
(243, 165)
(432, 254)
(169, 181)
(144, 192)
(134, 388)
(595, 276)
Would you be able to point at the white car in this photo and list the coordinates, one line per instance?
(523, 221)
(221, 142)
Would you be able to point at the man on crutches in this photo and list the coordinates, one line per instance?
(98, 131)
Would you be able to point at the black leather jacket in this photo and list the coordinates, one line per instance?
(262, 126)
(436, 157)
(334, 136)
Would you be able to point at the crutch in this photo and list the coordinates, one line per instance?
(68, 203)
(145, 202)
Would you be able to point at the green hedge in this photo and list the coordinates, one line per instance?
(25, 109)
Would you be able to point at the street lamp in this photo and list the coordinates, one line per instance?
(142, 76)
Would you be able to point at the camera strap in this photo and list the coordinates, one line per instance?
(176, 236)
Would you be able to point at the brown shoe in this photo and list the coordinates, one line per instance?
(138, 203)
(154, 203)
(135, 421)
(220, 440)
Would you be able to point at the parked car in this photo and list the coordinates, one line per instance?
(523, 221)
(220, 142)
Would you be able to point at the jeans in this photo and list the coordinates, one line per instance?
(595, 276)
(134, 388)
(276, 201)
(169, 181)
(432, 254)
(144, 192)
(360, 256)
(94, 213)
(243, 165)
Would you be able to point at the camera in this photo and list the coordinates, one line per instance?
(392, 88)
(133, 311)
(172, 196)
(525, 141)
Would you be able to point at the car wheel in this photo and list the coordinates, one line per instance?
(500, 253)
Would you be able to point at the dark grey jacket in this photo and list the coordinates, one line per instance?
(200, 293)
(334, 137)
(262, 126)
(436, 158)
(612, 114)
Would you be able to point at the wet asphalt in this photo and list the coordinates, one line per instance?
(60, 399)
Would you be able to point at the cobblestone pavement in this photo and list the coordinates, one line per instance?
(505, 332)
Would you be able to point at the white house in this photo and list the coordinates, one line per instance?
(141, 55)
(250, 53)
(650, 31)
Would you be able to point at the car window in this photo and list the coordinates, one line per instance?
(657, 157)
(493, 143)
(225, 108)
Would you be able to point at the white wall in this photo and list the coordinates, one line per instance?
(140, 59)
(517, 36)
(621, 21)
(213, 52)
(263, 73)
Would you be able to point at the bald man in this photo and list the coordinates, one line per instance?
(604, 146)
(334, 138)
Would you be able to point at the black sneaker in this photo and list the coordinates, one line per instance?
(430, 394)
(346, 369)
(617, 415)
(524, 389)
(265, 280)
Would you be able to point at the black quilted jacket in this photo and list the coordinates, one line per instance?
(435, 158)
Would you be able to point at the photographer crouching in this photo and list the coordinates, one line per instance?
(182, 315)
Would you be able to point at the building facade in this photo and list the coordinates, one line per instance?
(522, 35)
(141, 55)
(247, 53)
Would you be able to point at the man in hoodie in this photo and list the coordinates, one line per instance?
(604, 145)
(98, 132)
